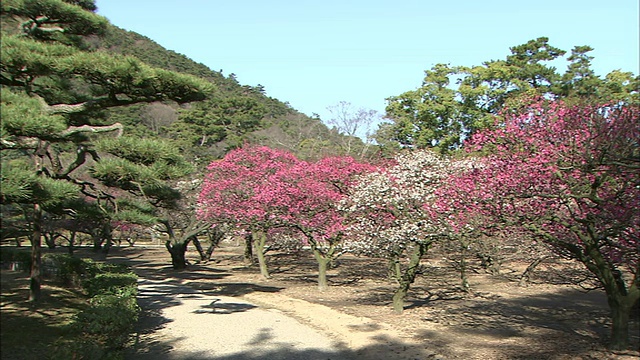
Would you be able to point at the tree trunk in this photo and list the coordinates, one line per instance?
(620, 313)
(215, 236)
(209, 251)
(399, 295)
(97, 240)
(72, 240)
(50, 240)
(621, 298)
(394, 272)
(107, 237)
(621, 301)
(323, 262)
(198, 246)
(107, 245)
(409, 276)
(526, 275)
(463, 270)
(177, 251)
(35, 292)
(489, 263)
(248, 249)
(259, 241)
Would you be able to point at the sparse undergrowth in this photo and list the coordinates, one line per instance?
(88, 311)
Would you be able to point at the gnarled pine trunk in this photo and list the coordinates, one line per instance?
(178, 250)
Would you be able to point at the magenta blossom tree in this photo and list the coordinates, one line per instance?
(236, 191)
(570, 177)
(306, 197)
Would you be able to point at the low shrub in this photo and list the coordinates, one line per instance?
(104, 328)
(110, 320)
(70, 270)
(113, 268)
(83, 348)
(109, 283)
(114, 310)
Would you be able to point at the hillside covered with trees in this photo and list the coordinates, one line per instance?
(234, 114)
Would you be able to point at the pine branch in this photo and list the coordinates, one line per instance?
(93, 129)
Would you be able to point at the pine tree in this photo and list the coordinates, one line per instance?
(60, 153)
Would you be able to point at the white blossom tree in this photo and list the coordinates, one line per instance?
(394, 214)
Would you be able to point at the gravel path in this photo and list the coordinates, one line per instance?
(179, 322)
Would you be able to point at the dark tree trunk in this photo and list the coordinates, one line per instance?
(35, 292)
(198, 245)
(620, 314)
(209, 251)
(248, 249)
(72, 240)
(50, 240)
(215, 237)
(621, 301)
(97, 240)
(621, 298)
(107, 237)
(178, 252)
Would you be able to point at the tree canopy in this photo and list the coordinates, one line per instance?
(454, 102)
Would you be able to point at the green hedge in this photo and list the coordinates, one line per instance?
(110, 320)
(110, 283)
(105, 327)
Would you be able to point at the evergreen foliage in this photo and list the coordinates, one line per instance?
(54, 94)
(454, 102)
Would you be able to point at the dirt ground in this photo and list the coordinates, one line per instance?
(547, 319)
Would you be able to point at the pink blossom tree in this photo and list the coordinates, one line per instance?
(237, 190)
(569, 177)
(306, 198)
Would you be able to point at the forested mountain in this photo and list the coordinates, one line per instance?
(234, 115)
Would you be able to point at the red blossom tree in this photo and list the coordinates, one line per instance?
(568, 176)
(261, 190)
(237, 190)
(306, 197)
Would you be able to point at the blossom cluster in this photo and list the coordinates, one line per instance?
(263, 188)
(568, 175)
(394, 207)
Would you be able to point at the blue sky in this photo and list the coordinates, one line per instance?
(314, 54)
